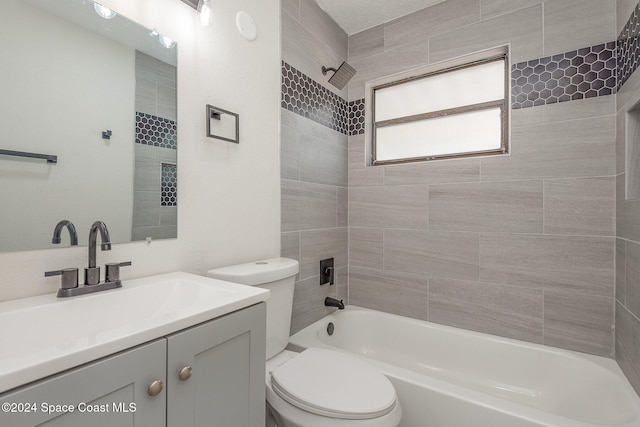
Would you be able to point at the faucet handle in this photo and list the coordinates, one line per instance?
(113, 270)
(69, 277)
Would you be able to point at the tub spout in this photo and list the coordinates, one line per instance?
(332, 302)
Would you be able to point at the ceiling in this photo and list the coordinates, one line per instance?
(358, 15)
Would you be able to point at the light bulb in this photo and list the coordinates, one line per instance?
(166, 41)
(205, 13)
(104, 12)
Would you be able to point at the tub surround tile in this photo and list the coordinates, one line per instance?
(308, 206)
(343, 207)
(438, 253)
(366, 43)
(289, 153)
(627, 213)
(359, 174)
(514, 206)
(485, 307)
(580, 206)
(290, 247)
(579, 322)
(365, 247)
(373, 287)
(575, 148)
(322, 161)
(316, 245)
(292, 7)
(492, 8)
(570, 24)
(576, 264)
(462, 170)
(420, 26)
(632, 276)
(628, 47)
(391, 207)
(521, 29)
(624, 10)
(621, 272)
(628, 345)
(308, 303)
(323, 27)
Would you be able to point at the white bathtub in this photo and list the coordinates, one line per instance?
(449, 377)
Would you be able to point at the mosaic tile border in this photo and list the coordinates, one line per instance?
(578, 74)
(156, 131)
(308, 98)
(628, 48)
(169, 185)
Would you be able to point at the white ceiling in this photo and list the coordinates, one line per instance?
(358, 15)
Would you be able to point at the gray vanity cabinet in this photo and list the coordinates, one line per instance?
(101, 392)
(227, 362)
(225, 358)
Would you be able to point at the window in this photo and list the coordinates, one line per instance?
(458, 110)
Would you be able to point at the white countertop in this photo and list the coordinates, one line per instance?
(43, 335)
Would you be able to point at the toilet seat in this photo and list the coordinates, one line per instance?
(332, 384)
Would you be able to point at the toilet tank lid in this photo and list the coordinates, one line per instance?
(257, 272)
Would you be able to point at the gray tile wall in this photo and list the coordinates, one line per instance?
(627, 268)
(313, 166)
(521, 246)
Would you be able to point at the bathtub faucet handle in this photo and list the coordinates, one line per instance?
(332, 302)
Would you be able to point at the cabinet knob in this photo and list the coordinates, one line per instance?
(185, 373)
(155, 388)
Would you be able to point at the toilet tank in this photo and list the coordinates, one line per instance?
(278, 276)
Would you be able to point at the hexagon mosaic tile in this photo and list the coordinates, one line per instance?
(169, 185)
(578, 74)
(628, 48)
(156, 131)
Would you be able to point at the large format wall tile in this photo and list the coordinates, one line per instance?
(628, 345)
(584, 206)
(579, 322)
(391, 207)
(495, 309)
(563, 263)
(316, 245)
(462, 170)
(632, 278)
(493, 8)
(514, 206)
(365, 247)
(307, 206)
(393, 292)
(324, 28)
(366, 43)
(521, 29)
(572, 24)
(437, 253)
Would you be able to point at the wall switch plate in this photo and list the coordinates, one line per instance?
(326, 272)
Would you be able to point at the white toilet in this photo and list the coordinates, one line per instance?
(318, 387)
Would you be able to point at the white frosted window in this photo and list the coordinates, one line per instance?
(455, 134)
(449, 113)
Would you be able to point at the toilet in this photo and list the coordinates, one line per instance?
(317, 387)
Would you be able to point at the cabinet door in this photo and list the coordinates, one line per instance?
(227, 358)
(111, 392)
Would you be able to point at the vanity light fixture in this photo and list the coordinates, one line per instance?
(104, 12)
(205, 13)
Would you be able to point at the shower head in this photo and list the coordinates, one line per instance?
(341, 76)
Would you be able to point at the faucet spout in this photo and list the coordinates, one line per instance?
(93, 236)
(332, 302)
(73, 234)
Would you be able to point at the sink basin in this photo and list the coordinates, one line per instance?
(43, 335)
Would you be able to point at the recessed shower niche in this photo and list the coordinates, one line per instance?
(632, 157)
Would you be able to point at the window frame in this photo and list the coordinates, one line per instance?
(500, 54)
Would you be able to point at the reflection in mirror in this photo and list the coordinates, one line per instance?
(98, 91)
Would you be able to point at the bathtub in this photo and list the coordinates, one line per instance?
(449, 377)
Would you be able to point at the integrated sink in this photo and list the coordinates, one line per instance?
(44, 335)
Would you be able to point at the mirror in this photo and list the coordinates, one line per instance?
(97, 91)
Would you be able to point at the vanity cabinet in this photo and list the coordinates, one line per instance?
(224, 359)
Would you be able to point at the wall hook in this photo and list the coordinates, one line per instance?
(106, 134)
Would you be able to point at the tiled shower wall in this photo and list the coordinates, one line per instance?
(521, 245)
(628, 203)
(313, 157)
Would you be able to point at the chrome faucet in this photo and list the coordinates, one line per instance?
(92, 273)
(73, 235)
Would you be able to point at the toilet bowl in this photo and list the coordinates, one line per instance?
(317, 387)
